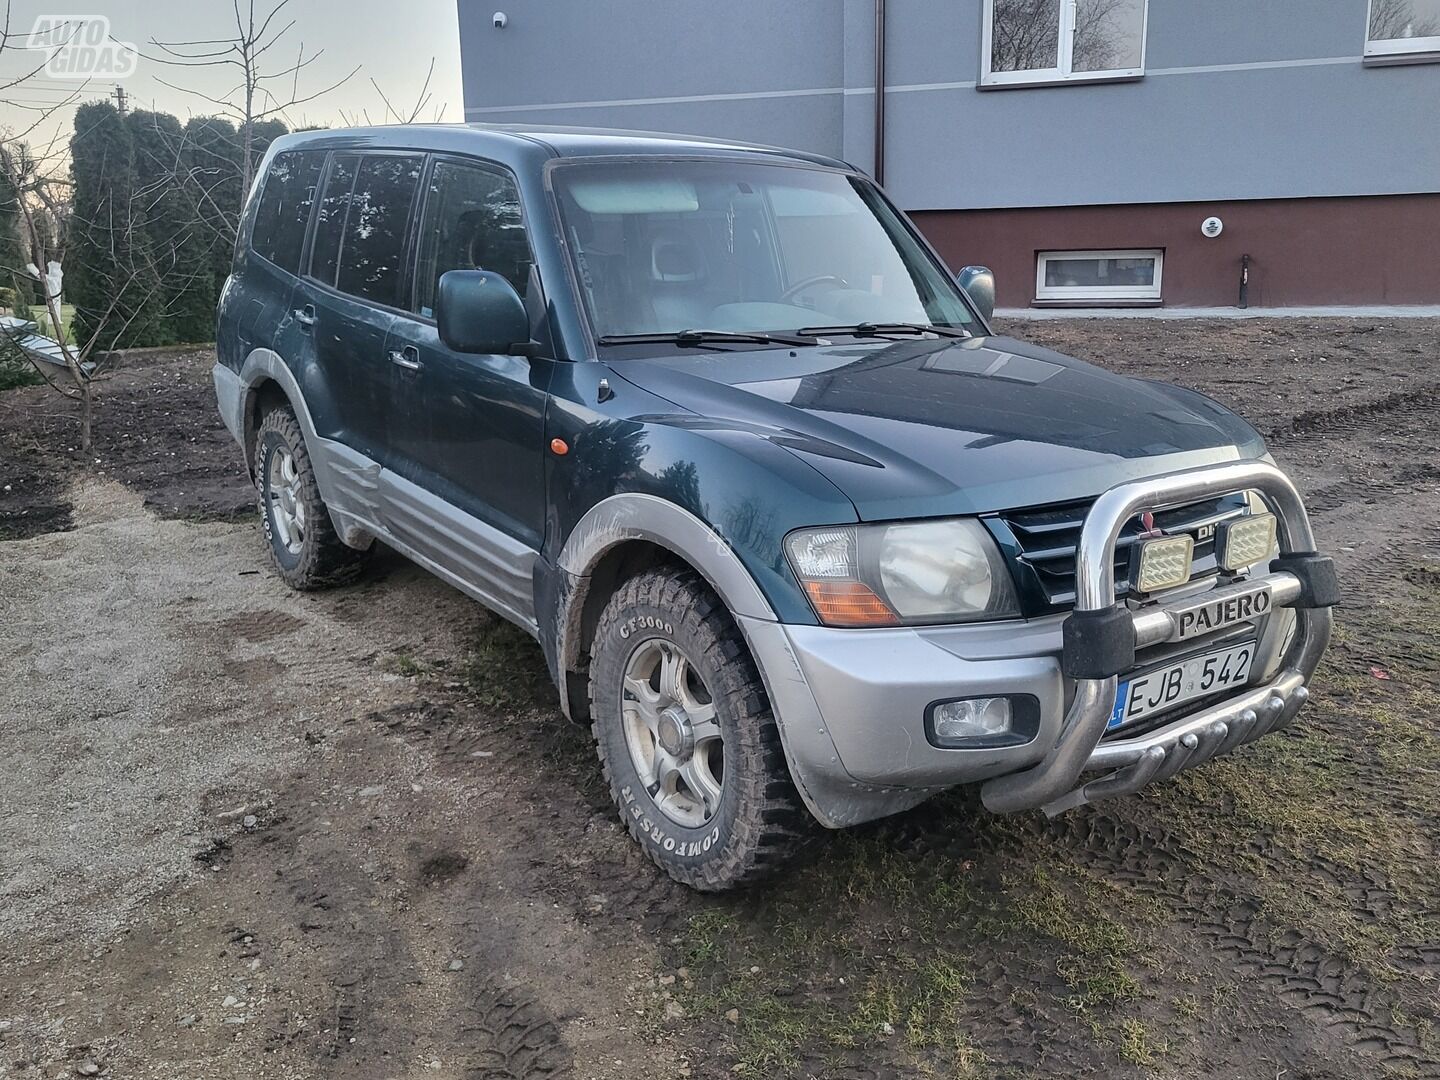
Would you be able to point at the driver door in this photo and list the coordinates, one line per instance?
(467, 431)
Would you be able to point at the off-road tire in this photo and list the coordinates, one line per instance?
(760, 822)
(323, 560)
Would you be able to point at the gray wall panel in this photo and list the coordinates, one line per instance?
(585, 50)
(1291, 127)
(802, 123)
(1268, 133)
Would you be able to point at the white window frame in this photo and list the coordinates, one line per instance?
(1099, 294)
(1065, 50)
(1394, 50)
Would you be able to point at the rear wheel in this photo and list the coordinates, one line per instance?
(686, 735)
(303, 545)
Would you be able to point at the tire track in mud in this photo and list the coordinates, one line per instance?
(1324, 989)
(511, 1038)
(1330, 1005)
(596, 871)
(1320, 421)
(351, 940)
(1378, 491)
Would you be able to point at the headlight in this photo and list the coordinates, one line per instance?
(890, 575)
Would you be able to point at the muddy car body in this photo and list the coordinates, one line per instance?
(795, 530)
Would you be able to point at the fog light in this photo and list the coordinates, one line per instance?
(1163, 563)
(1245, 542)
(975, 718)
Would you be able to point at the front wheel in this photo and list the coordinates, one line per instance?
(686, 735)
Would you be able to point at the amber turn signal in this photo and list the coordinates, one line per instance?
(848, 603)
(560, 447)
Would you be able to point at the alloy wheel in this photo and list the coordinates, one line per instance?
(287, 508)
(672, 733)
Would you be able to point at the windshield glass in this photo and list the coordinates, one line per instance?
(666, 246)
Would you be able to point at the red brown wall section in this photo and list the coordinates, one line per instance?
(1303, 252)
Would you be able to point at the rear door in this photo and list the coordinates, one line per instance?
(352, 295)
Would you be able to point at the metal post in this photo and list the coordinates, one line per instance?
(879, 170)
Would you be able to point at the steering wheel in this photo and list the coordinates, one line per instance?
(809, 283)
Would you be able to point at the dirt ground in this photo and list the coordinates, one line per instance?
(251, 833)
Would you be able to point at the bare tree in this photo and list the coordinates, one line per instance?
(81, 360)
(260, 94)
(1395, 19)
(42, 209)
(404, 113)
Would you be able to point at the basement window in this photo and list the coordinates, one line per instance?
(1099, 277)
(1403, 31)
(1029, 42)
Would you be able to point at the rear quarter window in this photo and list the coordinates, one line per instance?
(284, 210)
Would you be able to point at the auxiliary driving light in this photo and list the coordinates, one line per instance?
(954, 722)
(1246, 541)
(1163, 563)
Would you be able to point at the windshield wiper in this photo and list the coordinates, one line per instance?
(886, 329)
(692, 338)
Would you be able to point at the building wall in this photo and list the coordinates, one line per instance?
(1247, 110)
(1375, 250)
(1240, 101)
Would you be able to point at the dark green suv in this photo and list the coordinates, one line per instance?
(798, 535)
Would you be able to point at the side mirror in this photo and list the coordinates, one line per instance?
(979, 284)
(478, 311)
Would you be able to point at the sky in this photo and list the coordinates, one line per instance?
(391, 43)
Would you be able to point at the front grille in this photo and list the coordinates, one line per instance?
(1044, 539)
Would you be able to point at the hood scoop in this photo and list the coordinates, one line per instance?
(786, 437)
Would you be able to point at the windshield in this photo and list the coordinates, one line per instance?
(667, 246)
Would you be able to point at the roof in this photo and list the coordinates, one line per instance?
(509, 141)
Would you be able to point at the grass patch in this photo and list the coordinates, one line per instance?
(1137, 1046)
(1076, 909)
(505, 670)
(404, 665)
(874, 955)
(877, 974)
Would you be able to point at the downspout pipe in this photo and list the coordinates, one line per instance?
(879, 170)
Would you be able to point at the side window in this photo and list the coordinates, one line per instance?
(472, 222)
(279, 230)
(330, 221)
(372, 249)
(1404, 28)
(1036, 41)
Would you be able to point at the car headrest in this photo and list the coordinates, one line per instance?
(676, 258)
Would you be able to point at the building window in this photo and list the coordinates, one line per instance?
(1052, 41)
(1099, 276)
(1404, 30)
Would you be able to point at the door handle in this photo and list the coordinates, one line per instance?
(407, 358)
(305, 316)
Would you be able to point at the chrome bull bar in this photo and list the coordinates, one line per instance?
(1101, 637)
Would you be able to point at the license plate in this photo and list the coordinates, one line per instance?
(1185, 680)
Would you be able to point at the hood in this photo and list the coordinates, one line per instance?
(949, 426)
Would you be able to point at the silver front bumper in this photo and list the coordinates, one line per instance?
(1055, 782)
(851, 703)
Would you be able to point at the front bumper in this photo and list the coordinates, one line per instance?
(851, 703)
